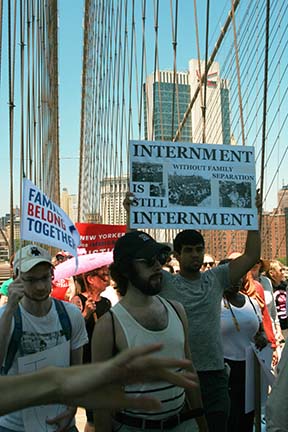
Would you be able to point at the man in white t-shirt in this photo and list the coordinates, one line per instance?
(49, 333)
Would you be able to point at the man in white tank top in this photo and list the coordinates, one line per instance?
(143, 317)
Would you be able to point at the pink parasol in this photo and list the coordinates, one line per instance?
(86, 263)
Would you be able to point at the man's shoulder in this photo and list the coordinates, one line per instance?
(70, 308)
(73, 312)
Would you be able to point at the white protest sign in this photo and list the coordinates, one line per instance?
(34, 418)
(44, 222)
(264, 358)
(203, 186)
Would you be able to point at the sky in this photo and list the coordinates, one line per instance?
(70, 64)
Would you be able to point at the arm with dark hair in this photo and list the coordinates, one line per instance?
(251, 256)
(98, 385)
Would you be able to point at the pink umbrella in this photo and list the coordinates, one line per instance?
(86, 263)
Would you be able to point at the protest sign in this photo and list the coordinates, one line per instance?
(99, 237)
(44, 222)
(203, 186)
(264, 358)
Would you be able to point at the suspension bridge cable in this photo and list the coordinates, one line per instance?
(174, 27)
(238, 72)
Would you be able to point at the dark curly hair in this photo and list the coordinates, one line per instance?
(121, 280)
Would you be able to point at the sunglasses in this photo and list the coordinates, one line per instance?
(151, 261)
(211, 264)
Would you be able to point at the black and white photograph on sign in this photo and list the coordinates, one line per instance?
(189, 191)
(157, 190)
(147, 172)
(232, 194)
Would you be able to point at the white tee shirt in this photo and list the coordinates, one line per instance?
(234, 341)
(39, 334)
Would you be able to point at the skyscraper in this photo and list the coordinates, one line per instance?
(166, 94)
(163, 97)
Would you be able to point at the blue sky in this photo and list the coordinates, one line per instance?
(70, 63)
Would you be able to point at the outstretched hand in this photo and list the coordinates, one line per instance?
(128, 201)
(100, 385)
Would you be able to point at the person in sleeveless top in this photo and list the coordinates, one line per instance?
(142, 317)
(87, 384)
(201, 293)
(240, 324)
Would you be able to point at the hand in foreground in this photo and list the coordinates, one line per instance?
(16, 292)
(99, 385)
(63, 420)
(260, 340)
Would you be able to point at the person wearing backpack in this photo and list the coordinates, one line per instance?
(37, 331)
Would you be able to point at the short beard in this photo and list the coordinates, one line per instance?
(190, 269)
(146, 287)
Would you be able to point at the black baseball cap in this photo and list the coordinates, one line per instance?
(137, 244)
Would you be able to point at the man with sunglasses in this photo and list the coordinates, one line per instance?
(38, 331)
(208, 263)
(201, 293)
(143, 316)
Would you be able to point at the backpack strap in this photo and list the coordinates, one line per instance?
(64, 318)
(17, 332)
(14, 341)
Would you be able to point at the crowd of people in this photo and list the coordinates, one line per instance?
(197, 317)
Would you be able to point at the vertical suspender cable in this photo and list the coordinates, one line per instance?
(131, 73)
(206, 72)
(156, 71)
(11, 75)
(83, 99)
(142, 68)
(174, 45)
(238, 73)
(22, 45)
(199, 64)
(210, 61)
(265, 90)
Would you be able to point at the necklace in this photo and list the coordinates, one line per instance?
(227, 305)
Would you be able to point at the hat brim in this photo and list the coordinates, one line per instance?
(151, 249)
(25, 267)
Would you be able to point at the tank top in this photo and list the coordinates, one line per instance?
(172, 397)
